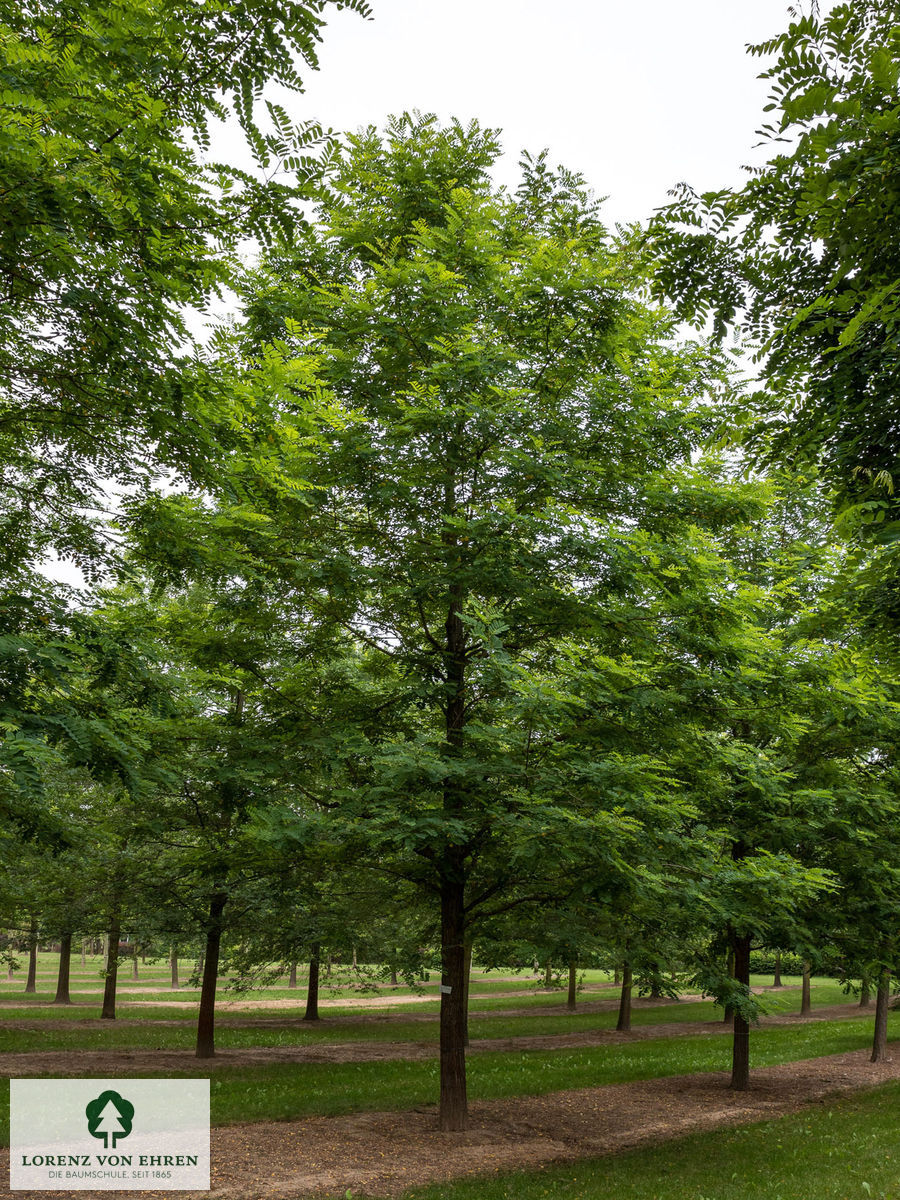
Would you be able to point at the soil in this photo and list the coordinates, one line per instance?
(383, 1154)
(28, 1063)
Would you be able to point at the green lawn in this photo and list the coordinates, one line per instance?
(288, 1091)
(847, 1149)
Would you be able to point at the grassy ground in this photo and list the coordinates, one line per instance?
(844, 1150)
(289, 1092)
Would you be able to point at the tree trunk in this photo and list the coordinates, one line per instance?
(354, 958)
(173, 967)
(134, 966)
(65, 960)
(865, 997)
(312, 987)
(624, 1022)
(292, 977)
(776, 982)
(571, 999)
(879, 1042)
(393, 977)
(728, 1015)
(31, 981)
(548, 974)
(112, 970)
(83, 953)
(328, 966)
(206, 1018)
(454, 1105)
(740, 1059)
(617, 977)
(805, 1003)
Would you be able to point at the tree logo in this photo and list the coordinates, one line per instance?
(109, 1116)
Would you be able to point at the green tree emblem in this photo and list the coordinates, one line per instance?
(109, 1116)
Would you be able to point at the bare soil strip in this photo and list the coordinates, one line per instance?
(28, 1063)
(383, 1154)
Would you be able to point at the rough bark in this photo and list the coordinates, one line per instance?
(865, 994)
(805, 1001)
(740, 1058)
(112, 970)
(882, 999)
(206, 1018)
(312, 987)
(31, 981)
(776, 982)
(572, 998)
(134, 962)
(173, 967)
(83, 953)
(65, 960)
(624, 1022)
(292, 977)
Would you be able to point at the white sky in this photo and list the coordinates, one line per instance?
(635, 96)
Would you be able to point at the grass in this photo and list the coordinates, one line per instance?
(843, 1150)
(289, 1091)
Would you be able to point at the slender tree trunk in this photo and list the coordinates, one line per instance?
(865, 997)
(655, 989)
(740, 1060)
(108, 1011)
(571, 999)
(134, 965)
(548, 974)
(624, 1022)
(882, 999)
(617, 977)
(312, 986)
(728, 1015)
(65, 961)
(31, 981)
(328, 966)
(805, 1002)
(354, 958)
(173, 966)
(454, 1106)
(292, 977)
(393, 977)
(776, 982)
(206, 1018)
(83, 953)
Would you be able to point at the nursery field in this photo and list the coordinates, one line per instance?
(560, 1100)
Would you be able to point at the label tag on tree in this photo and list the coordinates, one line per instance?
(446, 989)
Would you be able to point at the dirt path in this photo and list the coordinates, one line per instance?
(383, 1154)
(26, 1063)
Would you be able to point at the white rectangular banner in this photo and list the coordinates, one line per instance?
(109, 1134)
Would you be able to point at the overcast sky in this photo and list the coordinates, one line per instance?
(637, 96)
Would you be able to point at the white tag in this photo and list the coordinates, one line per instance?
(445, 990)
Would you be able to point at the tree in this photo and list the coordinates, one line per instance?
(502, 398)
(113, 225)
(806, 257)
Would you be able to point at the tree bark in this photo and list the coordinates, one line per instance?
(617, 977)
(776, 982)
(454, 1105)
(31, 981)
(865, 996)
(312, 987)
(173, 967)
(206, 1018)
(728, 1015)
(134, 965)
(571, 999)
(805, 1002)
(740, 1059)
(624, 1022)
(65, 960)
(292, 977)
(108, 1011)
(879, 1041)
(83, 953)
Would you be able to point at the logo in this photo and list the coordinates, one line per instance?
(109, 1117)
